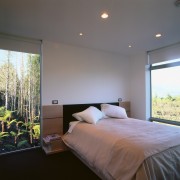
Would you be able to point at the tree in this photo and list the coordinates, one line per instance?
(20, 93)
(8, 84)
(4, 118)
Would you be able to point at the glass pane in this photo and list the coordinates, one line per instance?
(19, 100)
(166, 93)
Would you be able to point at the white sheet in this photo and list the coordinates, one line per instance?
(117, 147)
(72, 125)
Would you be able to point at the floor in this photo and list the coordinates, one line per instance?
(35, 164)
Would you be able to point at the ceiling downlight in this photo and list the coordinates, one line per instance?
(104, 15)
(158, 35)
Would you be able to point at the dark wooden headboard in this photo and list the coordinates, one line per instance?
(69, 109)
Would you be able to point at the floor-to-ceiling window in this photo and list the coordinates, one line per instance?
(19, 93)
(165, 84)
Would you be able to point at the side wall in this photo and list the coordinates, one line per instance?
(138, 96)
(74, 75)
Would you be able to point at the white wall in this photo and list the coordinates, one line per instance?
(75, 75)
(138, 95)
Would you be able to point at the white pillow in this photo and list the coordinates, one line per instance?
(72, 124)
(90, 115)
(114, 111)
(76, 115)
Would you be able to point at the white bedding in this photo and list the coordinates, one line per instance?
(118, 147)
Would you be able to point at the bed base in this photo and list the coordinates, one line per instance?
(98, 173)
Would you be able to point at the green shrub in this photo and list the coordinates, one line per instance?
(166, 108)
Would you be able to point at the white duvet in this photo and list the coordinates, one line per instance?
(117, 147)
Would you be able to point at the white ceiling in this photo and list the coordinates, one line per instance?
(132, 22)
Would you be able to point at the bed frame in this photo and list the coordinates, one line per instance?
(69, 109)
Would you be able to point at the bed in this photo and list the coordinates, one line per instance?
(123, 148)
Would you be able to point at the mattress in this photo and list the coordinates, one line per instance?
(125, 149)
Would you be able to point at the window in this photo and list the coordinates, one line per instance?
(165, 91)
(165, 85)
(19, 94)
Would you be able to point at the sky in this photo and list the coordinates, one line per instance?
(15, 59)
(166, 81)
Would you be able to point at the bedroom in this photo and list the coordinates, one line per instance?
(14, 22)
(100, 58)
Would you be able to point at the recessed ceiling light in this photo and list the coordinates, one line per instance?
(158, 35)
(104, 15)
(80, 34)
(129, 46)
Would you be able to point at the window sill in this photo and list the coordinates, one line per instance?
(165, 121)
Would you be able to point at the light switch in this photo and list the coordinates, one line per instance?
(54, 101)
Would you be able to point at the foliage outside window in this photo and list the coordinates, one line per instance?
(165, 92)
(19, 100)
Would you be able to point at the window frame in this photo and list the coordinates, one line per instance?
(162, 66)
(30, 46)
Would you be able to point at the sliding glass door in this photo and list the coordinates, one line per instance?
(19, 100)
